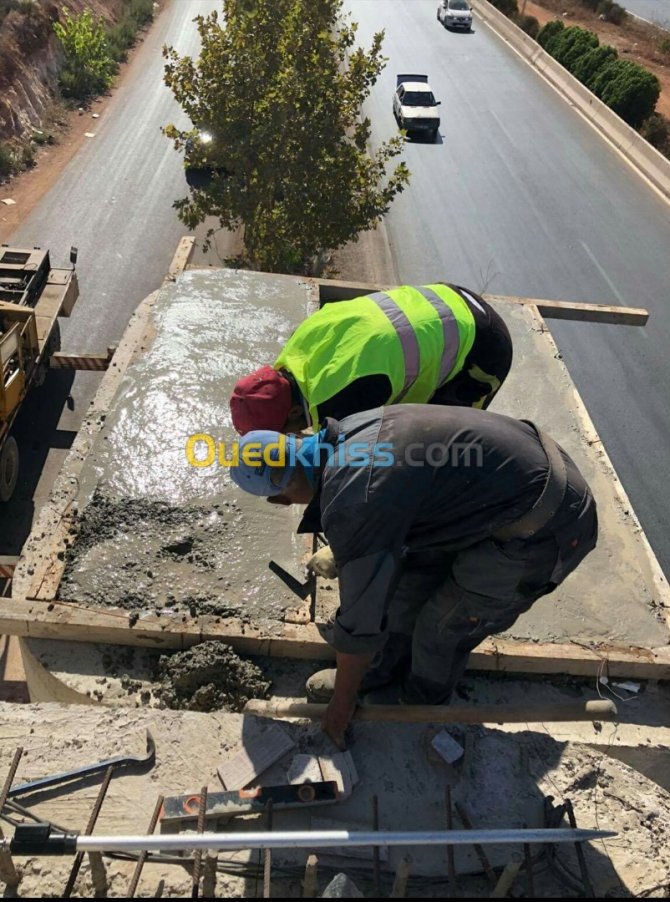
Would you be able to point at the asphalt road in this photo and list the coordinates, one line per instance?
(656, 11)
(521, 196)
(113, 202)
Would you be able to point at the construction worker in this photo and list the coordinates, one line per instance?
(437, 344)
(445, 523)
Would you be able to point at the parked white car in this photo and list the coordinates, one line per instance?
(414, 104)
(455, 14)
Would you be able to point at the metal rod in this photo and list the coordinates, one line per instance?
(8, 873)
(135, 879)
(481, 854)
(322, 839)
(209, 876)
(102, 792)
(451, 860)
(267, 854)
(588, 887)
(197, 858)
(376, 865)
(528, 865)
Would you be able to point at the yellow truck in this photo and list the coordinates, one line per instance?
(32, 297)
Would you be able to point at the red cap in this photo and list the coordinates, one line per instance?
(261, 400)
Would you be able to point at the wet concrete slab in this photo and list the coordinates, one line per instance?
(154, 531)
(618, 594)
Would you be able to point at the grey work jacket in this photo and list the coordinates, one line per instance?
(407, 478)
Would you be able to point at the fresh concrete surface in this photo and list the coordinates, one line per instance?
(156, 531)
(502, 783)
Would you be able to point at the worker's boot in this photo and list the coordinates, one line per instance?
(321, 685)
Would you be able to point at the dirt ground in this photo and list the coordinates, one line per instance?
(634, 40)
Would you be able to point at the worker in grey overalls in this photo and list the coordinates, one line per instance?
(457, 521)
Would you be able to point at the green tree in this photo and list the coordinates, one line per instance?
(549, 33)
(629, 89)
(88, 67)
(571, 44)
(588, 66)
(529, 24)
(280, 88)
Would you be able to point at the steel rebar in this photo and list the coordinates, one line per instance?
(306, 839)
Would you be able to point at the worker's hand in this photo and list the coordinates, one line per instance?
(336, 720)
(323, 563)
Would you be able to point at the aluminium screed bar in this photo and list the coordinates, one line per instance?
(41, 843)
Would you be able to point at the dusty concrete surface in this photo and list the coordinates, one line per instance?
(617, 595)
(502, 784)
(157, 532)
(209, 677)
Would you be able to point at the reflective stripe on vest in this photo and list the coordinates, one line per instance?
(408, 339)
(406, 335)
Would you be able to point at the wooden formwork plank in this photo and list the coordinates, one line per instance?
(336, 290)
(71, 622)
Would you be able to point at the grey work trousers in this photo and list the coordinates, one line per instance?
(445, 605)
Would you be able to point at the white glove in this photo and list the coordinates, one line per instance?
(323, 563)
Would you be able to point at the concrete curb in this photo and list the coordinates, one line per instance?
(648, 161)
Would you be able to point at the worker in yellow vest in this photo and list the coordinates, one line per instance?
(436, 344)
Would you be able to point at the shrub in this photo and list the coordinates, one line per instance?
(508, 7)
(588, 66)
(656, 130)
(120, 37)
(41, 138)
(571, 44)
(27, 156)
(664, 46)
(88, 65)
(529, 24)
(591, 4)
(6, 162)
(611, 12)
(629, 89)
(549, 32)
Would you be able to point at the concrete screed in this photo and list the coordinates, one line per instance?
(501, 783)
(156, 533)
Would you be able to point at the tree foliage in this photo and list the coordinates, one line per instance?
(280, 88)
(88, 67)
(571, 44)
(629, 89)
(588, 65)
(529, 24)
(549, 32)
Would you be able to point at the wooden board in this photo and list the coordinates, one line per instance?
(68, 621)
(334, 290)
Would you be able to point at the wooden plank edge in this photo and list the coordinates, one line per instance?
(337, 290)
(181, 259)
(69, 621)
(39, 570)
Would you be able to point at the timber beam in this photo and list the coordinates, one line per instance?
(69, 621)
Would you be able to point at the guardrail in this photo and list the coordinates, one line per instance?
(645, 158)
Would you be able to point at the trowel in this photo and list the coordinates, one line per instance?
(302, 590)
